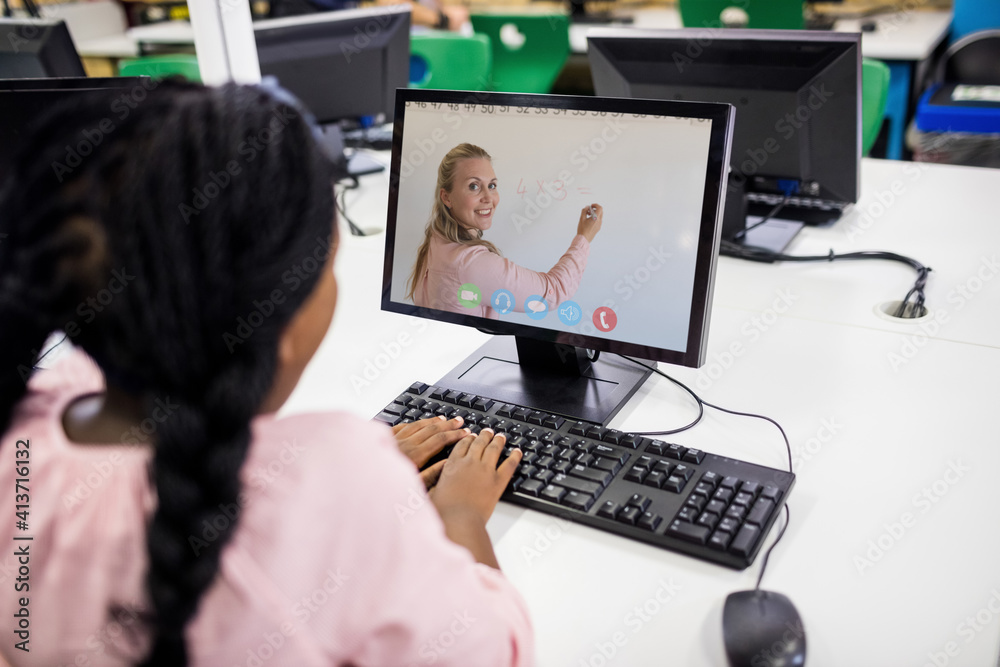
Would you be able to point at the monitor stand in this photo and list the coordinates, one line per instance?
(550, 377)
(357, 164)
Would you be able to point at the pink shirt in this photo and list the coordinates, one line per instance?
(450, 265)
(339, 557)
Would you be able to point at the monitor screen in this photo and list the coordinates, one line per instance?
(642, 286)
(797, 96)
(24, 101)
(37, 48)
(343, 65)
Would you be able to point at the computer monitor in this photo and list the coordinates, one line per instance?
(797, 95)
(343, 65)
(24, 101)
(37, 48)
(642, 287)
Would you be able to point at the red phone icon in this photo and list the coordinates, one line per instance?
(605, 319)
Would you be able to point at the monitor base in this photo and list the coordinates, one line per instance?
(594, 393)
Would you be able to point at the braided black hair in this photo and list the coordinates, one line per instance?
(200, 203)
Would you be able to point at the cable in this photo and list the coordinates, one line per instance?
(341, 205)
(702, 404)
(767, 554)
(773, 212)
(912, 304)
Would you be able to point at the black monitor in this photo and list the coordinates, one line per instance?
(645, 286)
(24, 101)
(343, 65)
(37, 48)
(797, 140)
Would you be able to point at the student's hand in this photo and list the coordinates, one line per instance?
(421, 440)
(590, 225)
(471, 483)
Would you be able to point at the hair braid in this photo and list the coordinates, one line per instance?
(193, 266)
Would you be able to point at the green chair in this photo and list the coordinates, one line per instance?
(159, 67)
(766, 14)
(874, 92)
(529, 49)
(451, 61)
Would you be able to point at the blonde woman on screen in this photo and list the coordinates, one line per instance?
(454, 253)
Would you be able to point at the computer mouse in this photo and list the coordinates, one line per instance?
(762, 628)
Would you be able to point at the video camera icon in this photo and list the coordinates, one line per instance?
(469, 296)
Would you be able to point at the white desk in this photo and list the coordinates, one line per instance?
(894, 432)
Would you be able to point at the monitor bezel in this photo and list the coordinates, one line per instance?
(713, 203)
(51, 47)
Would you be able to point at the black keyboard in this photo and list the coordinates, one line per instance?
(679, 498)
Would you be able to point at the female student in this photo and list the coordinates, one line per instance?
(454, 252)
(169, 517)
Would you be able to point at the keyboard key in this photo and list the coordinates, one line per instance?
(417, 388)
(630, 440)
(437, 393)
(772, 493)
(662, 466)
(657, 447)
(580, 501)
(675, 451)
(545, 462)
(553, 421)
(761, 512)
(544, 476)
(585, 446)
(737, 512)
(482, 404)
(724, 495)
(395, 408)
(698, 502)
(638, 500)
(694, 456)
(521, 414)
(579, 428)
(586, 460)
(506, 410)
(720, 540)
(532, 487)
(418, 403)
(649, 520)
(561, 466)
(548, 437)
(753, 488)
(553, 493)
(708, 519)
(611, 452)
(413, 414)
(595, 432)
(452, 396)
(743, 499)
(674, 483)
(715, 507)
(688, 514)
(566, 454)
(728, 525)
(682, 471)
(635, 474)
(703, 489)
(526, 470)
(655, 479)
(403, 398)
(574, 484)
(646, 462)
(466, 400)
(603, 463)
(629, 515)
(535, 418)
(613, 435)
(745, 540)
(550, 450)
(388, 418)
(730, 482)
(608, 509)
(712, 478)
(689, 532)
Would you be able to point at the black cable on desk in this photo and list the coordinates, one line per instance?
(912, 304)
(701, 411)
(341, 205)
(773, 212)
